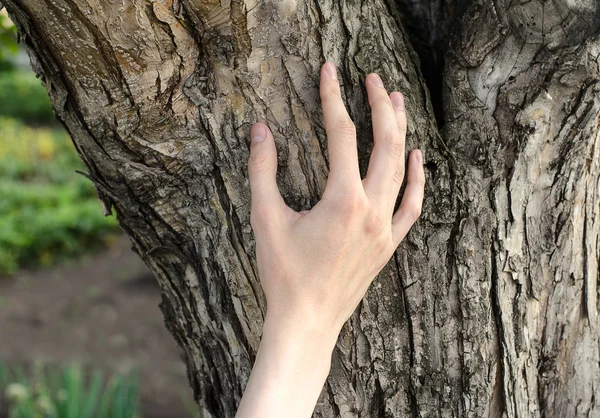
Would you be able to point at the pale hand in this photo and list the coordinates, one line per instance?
(316, 266)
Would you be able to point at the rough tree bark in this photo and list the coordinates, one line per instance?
(490, 306)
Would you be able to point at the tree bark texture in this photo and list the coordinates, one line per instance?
(490, 306)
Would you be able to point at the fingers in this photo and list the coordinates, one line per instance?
(267, 203)
(386, 166)
(397, 99)
(341, 134)
(412, 201)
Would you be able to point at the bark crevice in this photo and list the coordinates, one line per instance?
(489, 305)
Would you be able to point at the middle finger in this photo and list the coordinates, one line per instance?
(385, 173)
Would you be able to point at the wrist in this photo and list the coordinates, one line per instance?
(308, 331)
(291, 366)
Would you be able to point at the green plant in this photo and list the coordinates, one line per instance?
(8, 41)
(23, 97)
(43, 224)
(48, 212)
(36, 154)
(70, 393)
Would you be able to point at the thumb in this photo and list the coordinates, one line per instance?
(267, 202)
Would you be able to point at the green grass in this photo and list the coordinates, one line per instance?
(48, 392)
(47, 211)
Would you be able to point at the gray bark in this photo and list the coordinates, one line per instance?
(522, 123)
(489, 307)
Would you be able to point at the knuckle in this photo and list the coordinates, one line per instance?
(402, 125)
(399, 175)
(414, 211)
(380, 101)
(345, 127)
(329, 91)
(258, 164)
(352, 204)
(394, 143)
(374, 224)
(356, 204)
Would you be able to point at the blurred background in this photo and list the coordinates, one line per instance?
(81, 334)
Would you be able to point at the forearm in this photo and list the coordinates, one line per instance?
(291, 367)
(312, 263)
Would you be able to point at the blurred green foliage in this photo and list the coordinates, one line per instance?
(21, 93)
(23, 97)
(47, 211)
(8, 41)
(68, 393)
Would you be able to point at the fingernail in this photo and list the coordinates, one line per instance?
(419, 156)
(398, 100)
(376, 80)
(330, 70)
(259, 133)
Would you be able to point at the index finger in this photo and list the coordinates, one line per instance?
(341, 133)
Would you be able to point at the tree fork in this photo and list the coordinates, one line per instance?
(159, 98)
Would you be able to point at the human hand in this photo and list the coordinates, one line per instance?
(316, 266)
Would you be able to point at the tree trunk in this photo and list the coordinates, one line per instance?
(489, 307)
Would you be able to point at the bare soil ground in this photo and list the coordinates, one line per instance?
(102, 312)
